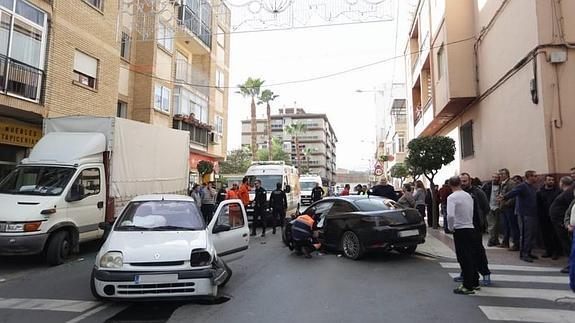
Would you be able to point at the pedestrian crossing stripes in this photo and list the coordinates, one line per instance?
(545, 284)
(59, 305)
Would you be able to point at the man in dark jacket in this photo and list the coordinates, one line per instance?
(525, 195)
(278, 204)
(260, 205)
(383, 189)
(545, 196)
(507, 207)
(491, 190)
(557, 214)
(444, 193)
(480, 210)
(222, 193)
(317, 193)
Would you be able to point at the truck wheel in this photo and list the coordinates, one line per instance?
(59, 248)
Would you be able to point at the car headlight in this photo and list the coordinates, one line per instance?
(200, 258)
(112, 259)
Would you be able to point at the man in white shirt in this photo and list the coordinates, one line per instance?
(460, 221)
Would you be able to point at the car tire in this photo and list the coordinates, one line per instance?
(409, 250)
(351, 246)
(93, 287)
(59, 248)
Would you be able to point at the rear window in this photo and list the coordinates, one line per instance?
(160, 216)
(376, 204)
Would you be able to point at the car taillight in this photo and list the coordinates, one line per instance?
(376, 220)
(200, 258)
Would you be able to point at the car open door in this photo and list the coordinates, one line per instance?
(229, 230)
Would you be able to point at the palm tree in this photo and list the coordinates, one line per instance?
(294, 130)
(251, 88)
(266, 97)
(307, 151)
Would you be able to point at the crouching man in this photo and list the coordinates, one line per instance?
(303, 235)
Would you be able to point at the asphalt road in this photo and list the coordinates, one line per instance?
(271, 284)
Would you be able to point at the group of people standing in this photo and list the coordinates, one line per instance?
(207, 198)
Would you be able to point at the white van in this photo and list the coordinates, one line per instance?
(80, 174)
(270, 173)
(307, 183)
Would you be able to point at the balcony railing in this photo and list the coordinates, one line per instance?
(194, 78)
(196, 17)
(20, 79)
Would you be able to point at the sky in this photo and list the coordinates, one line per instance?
(298, 54)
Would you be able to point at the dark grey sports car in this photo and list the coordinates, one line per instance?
(355, 224)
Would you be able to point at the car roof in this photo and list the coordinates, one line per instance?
(353, 198)
(162, 197)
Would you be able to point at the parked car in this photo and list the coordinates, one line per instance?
(160, 247)
(355, 224)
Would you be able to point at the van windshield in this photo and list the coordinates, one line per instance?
(268, 181)
(307, 186)
(37, 180)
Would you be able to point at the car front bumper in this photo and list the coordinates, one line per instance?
(189, 283)
(22, 244)
(388, 237)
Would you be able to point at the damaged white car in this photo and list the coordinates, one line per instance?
(161, 247)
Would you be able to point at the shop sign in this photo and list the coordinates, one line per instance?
(19, 135)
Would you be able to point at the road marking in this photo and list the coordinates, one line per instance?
(518, 314)
(88, 314)
(525, 278)
(532, 293)
(507, 267)
(58, 305)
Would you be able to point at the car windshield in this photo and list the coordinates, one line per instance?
(37, 180)
(268, 181)
(307, 186)
(376, 204)
(160, 216)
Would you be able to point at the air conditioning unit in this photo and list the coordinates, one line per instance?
(215, 138)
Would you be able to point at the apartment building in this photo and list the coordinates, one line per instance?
(114, 58)
(319, 138)
(493, 75)
(392, 137)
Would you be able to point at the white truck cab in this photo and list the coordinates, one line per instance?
(307, 184)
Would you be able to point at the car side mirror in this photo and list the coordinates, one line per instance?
(287, 189)
(106, 226)
(76, 193)
(221, 228)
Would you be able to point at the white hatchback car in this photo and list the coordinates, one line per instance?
(160, 247)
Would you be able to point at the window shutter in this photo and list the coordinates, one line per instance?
(85, 64)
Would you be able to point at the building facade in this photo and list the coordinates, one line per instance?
(493, 76)
(319, 138)
(114, 58)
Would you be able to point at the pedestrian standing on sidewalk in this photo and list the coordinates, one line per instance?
(244, 192)
(545, 197)
(444, 193)
(407, 199)
(345, 191)
(317, 193)
(222, 193)
(526, 207)
(278, 204)
(507, 207)
(383, 189)
(571, 228)
(208, 202)
(480, 211)
(491, 190)
(195, 194)
(557, 211)
(419, 197)
(460, 221)
(260, 208)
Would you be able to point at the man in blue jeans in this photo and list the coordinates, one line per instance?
(507, 209)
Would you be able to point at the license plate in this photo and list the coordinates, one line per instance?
(156, 279)
(408, 233)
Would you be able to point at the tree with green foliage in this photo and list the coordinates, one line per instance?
(295, 130)
(237, 162)
(277, 152)
(266, 97)
(251, 88)
(399, 171)
(428, 155)
(414, 172)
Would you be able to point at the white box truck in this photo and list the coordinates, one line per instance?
(81, 173)
(307, 184)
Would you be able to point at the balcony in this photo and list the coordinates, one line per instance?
(20, 79)
(423, 118)
(192, 78)
(196, 18)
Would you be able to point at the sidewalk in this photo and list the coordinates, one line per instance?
(439, 244)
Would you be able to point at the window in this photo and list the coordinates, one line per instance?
(219, 79)
(85, 69)
(231, 215)
(466, 137)
(87, 183)
(160, 216)
(95, 3)
(122, 111)
(201, 110)
(221, 37)
(401, 142)
(341, 207)
(441, 62)
(162, 98)
(219, 125)
(165, 36)
(125, 46)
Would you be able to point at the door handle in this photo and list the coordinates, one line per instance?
(244, 235)
(100, 204)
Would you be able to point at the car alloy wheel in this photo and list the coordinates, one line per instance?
(351, 245)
